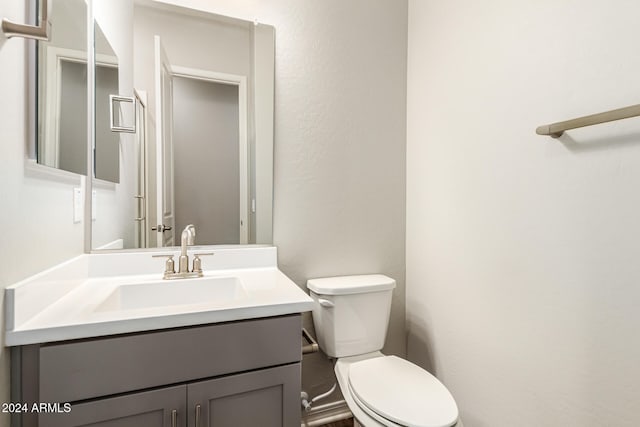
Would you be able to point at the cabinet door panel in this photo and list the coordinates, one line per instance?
(148, 409)
(265, 398)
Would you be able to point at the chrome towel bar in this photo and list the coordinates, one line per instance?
(39, 32)
(555, 130)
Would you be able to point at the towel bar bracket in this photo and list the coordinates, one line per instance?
(39, 32)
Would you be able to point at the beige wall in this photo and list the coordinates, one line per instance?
(522, 270)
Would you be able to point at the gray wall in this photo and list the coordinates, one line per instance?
(206, 159)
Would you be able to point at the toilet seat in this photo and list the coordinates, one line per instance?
(383, 421)
(395, 392)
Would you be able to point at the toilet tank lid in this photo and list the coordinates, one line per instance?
(343, 285)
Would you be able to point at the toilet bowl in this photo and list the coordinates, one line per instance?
(351, 315)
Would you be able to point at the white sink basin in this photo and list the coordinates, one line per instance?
(165, 293)
(95, 295)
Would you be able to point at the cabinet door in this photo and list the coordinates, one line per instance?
(158, 408)
(265, 398)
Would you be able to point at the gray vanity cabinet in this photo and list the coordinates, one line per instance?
(234, 374)
(156, 408)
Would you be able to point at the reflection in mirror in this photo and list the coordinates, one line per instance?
(206, 153)
(141, 205)
(61, 65)
(106, 155)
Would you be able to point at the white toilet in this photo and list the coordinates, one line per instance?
(351, 315)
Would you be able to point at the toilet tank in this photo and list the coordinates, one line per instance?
(351, 313)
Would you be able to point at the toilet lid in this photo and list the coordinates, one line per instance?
(402, 392)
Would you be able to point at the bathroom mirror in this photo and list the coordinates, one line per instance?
(61, 69)
(203, 152)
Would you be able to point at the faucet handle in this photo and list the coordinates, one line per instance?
(169, 265)
(197, 262)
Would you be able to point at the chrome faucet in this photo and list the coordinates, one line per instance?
(188, 238)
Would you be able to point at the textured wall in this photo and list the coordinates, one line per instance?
(522, 270)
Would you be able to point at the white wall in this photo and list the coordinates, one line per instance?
(522, 270)
(36, 211)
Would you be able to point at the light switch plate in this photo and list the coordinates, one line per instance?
(77, 205)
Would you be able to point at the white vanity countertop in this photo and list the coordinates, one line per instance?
(68, 301)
